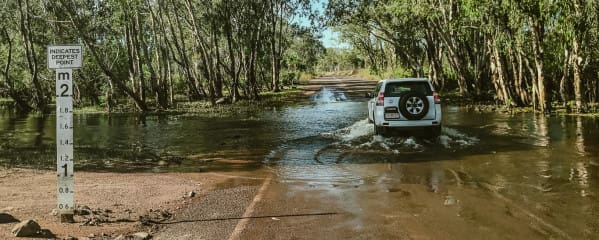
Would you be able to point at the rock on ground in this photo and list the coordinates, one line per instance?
(28, 228)
(141, 236)
(7, 218)
(136, 236)
(191, 194)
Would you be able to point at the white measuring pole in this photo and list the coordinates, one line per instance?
(64, 58)
(64, 140)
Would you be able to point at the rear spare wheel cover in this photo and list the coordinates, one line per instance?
(413, 105)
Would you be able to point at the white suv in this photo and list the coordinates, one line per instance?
(405, 104)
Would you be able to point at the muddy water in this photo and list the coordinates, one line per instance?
(538, 175)
(140, 143)
(547, 168)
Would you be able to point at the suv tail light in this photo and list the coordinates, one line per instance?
(436, 96)
(380, 101)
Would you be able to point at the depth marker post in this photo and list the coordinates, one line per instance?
(65, 58)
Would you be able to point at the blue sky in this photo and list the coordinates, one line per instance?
(330, 38)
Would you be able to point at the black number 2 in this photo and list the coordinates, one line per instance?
(65, 89)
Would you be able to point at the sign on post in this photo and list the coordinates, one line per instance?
(64, 58)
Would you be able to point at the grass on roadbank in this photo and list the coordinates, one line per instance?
(267, 100)
(124, 106)
(4, 102)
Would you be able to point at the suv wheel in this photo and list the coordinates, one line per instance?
(436, 131)
(377, 130)
(413, 105)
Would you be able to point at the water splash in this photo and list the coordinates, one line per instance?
(357, 130)
(453, 138)
(360, 135)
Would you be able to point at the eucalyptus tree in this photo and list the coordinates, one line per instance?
(104, 43)
(536, 12)
(503, 55)
(11, 80)
(304, 51)
(31, 30)
(579, 23)
(372, 48)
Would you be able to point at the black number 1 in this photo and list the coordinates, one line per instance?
(65, 169)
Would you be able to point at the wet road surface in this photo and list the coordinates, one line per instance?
(314, 170)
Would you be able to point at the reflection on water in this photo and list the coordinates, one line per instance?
(541, 131)
(580, 137)
(329, 95)
(134, 143)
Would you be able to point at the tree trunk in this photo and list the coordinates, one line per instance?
(202, 47)
(232, 59)
(164, 82)
(31, 55)
(455, 61)
(137, 29)
(533, 76)
(435, 54)
(130, 56)
(537, 29)
(91, 45)
(155, 83)
(275, 61)
(521, 84)
(499, 73)
(21, 104)
(169, 75)
(179, 43)
(576, 72)
(563, 85)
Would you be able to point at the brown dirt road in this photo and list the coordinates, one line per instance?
(350, 85)
(31, 194)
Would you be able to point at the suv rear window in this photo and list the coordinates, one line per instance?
(397, 89)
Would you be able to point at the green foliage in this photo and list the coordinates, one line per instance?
(304, 78)
(150, 51)
(340, 59)
(304, 52)
(399, 72)
(289, 78)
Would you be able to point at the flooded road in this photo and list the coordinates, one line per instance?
(489, 175)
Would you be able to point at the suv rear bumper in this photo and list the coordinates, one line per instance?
(427, 131)
(411, 124)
